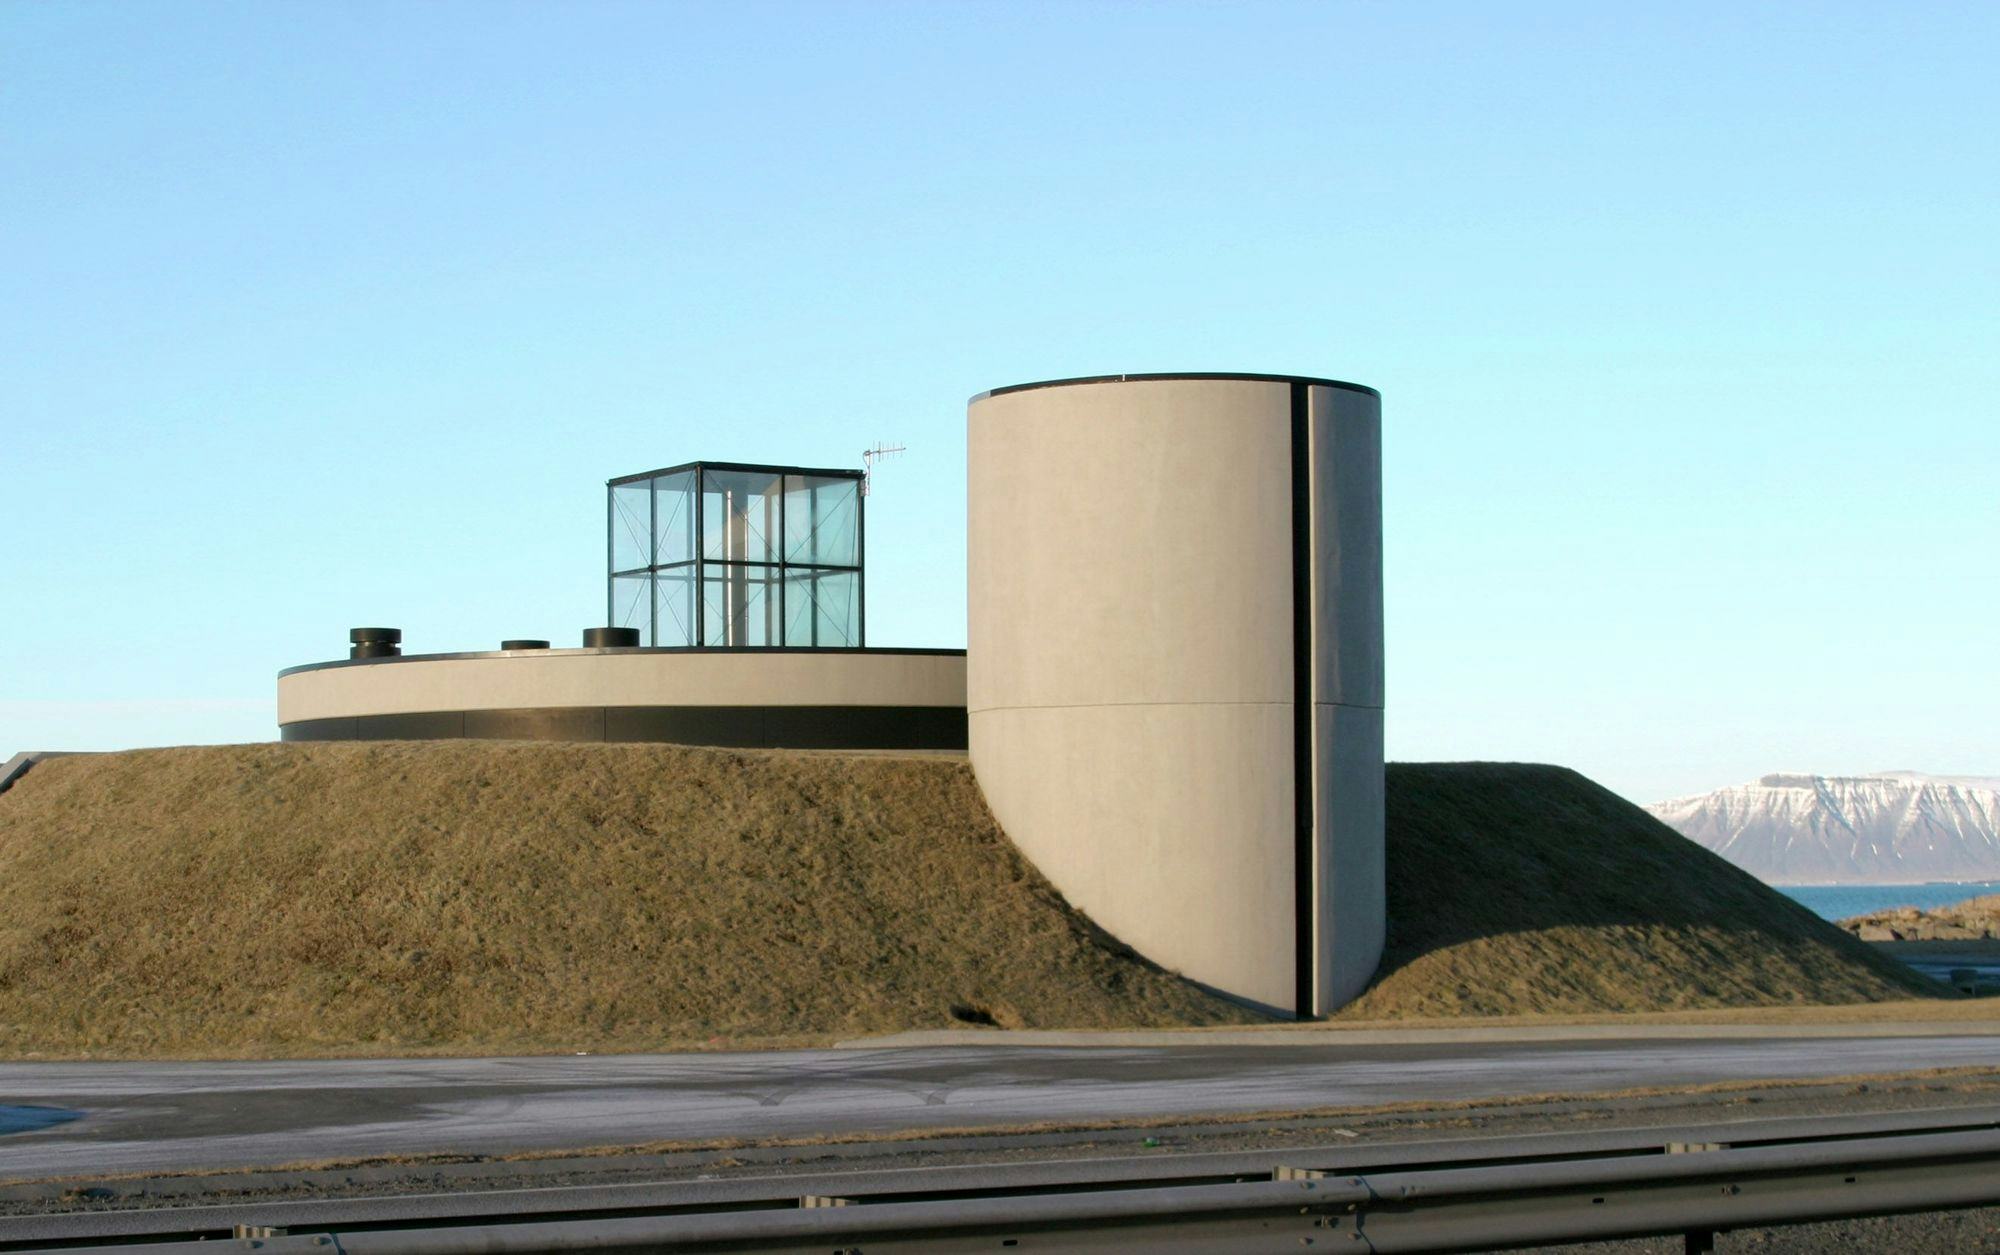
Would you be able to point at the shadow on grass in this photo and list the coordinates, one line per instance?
(1516, 886)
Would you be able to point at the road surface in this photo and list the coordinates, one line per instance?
(74, 1118)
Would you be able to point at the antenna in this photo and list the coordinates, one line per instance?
(869, 457)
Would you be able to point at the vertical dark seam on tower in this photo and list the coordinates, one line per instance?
(1303, 799)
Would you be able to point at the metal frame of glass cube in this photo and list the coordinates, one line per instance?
(729, 555)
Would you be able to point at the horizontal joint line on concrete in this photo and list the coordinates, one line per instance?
(980, 710)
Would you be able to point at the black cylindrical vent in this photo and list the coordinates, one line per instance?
(524, 644)
(610, 638)
(374, 642)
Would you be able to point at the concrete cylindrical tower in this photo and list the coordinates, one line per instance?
(1174, 666)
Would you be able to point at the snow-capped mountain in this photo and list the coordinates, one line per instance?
(1894, 827)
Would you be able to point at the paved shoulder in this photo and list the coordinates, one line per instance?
(142, 1117)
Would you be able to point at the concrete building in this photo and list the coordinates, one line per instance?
(737, 605)
(1174, 666)
(1172, 693)
(792, 698)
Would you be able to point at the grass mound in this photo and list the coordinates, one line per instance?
(1516, 888)
(487, 897)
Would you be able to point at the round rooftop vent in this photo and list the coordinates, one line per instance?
(374, 642)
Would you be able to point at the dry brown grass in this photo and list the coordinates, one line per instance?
(486, 897)
(1524, 888)
(490, 897)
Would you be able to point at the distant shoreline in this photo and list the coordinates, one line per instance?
(1877, 884)
(1838, 903)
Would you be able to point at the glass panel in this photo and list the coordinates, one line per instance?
(673, 606)
(632, 602)
(632, 525)
(673, 519)
(739, 515)
(822, 608)
(822, 520)
(715, 577)
(739, 604)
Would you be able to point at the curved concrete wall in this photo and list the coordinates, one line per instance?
(656, 694)
(1188, 750)
(1344, 428)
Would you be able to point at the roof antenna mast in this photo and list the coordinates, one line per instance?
(869, 457)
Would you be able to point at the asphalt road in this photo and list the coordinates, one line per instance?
(77, 1118)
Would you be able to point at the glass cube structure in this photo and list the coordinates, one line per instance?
(722, 555)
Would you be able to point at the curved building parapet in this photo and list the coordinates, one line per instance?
(802, 698)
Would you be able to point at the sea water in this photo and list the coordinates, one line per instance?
(1838, 902)
(1843, 901)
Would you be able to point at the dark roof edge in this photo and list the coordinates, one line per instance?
(821, 472)
(1253, 378)
(627, 649)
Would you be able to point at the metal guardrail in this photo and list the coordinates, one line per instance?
(1468, 1195)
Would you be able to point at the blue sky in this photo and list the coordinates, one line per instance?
(1684, 316)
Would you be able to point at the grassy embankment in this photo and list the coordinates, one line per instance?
(1518, 888)
(488, 897)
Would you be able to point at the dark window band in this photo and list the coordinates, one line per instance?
(739, 727)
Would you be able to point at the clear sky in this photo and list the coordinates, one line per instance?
(1684, 316)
